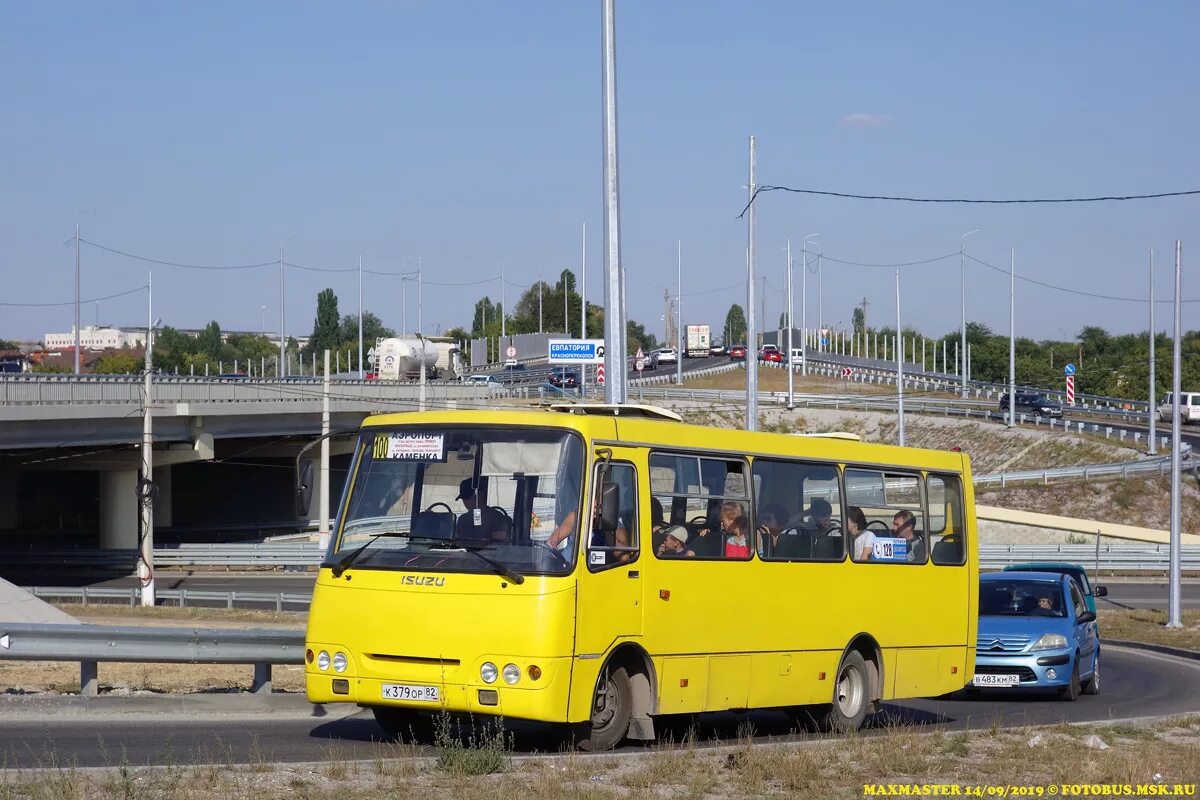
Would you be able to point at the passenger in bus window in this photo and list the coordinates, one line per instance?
(736, 529)
(658, 525)
(674, 544)
(820, 518)
(478, 522)
(904, 526)
(864, 540)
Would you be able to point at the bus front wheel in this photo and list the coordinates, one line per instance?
(851, 695)
(612, 708)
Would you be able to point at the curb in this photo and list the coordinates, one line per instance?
(1177, 652)
(191, 703)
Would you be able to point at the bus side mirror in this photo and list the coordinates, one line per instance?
(304, 475)
(609, 506)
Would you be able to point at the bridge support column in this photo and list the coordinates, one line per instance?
(8, 499)
(162, 503)
(119, 515)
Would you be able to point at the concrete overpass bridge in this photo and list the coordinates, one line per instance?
(223, 451)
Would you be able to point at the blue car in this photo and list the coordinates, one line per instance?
(1036, 632)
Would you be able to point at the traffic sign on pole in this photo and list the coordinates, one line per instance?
(576, 351)
(511, 352)
(1069, 370)
(847, 372)
(600, 374)
(1070, 390)
(639, 360)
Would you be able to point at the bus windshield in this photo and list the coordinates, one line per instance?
(438, 498)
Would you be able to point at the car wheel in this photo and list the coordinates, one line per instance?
(612, 708)
(1092, 685)
(1071, 690)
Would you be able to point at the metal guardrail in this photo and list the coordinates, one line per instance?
(1114, 557)
(180, 598)
(91, 644)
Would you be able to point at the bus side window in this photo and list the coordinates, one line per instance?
(947, 533)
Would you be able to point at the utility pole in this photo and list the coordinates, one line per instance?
(679, 331)
(1174, 617)
(820, 303)
(361, 373)
(751, 351)
(614, 353)
(283, 364)
(323, 502)
(582, 311)
(421, 304)
(146, 489)
(503, 310)
(1152, 412)
(1012, 337)
(77, 338)
(864, 330)
(791, 370)
(962, 257)
(899, 366)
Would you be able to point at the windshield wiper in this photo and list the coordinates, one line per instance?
(342, 565)
(473, 548)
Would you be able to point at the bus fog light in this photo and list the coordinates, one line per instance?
(535, 672)
(1051, 674)
(339, 662)
(323, 660)
(512, 674)
(488, 672)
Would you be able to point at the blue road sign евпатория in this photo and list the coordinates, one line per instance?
(576, 351)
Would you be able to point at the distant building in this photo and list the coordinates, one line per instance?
(94, 338)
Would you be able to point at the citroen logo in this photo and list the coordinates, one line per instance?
(996, 645)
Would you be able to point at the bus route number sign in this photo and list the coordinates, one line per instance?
(409, 446)
(890, 549)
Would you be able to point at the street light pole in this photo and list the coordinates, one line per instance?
(1152, 411)
(751, 344)
(679, 332)
(791, 370)
(77, 338)
(962, 256)
(614, 353)
(283, 366)
(1012, 337)
(146, 489)
(899, 365)
(1174, 618)
(361, 372)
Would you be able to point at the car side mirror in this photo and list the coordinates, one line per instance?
(1087, 616)
(1100, 591)
(609, 506)
(304, 476)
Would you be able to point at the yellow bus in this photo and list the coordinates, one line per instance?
(599, 566)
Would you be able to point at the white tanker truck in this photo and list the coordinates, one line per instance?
(396, 358)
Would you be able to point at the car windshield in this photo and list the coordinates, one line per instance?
(435, 498)
(1021, 598)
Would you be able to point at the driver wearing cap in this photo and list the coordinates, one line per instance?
(476, 522)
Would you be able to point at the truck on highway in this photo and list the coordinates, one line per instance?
(396, 359)
(698, 342)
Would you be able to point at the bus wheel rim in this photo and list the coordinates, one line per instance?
(849, 691)
(606, 706)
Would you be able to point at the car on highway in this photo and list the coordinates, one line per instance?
(664, 355)
(797, 355)
(1034, 403)
(770, 353)
(487, 379)
(737, 352)
(716, 350)
(564, 378)
(1189, 407)
(1035, 633)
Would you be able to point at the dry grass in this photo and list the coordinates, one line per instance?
(1137, 501)
(1149, 625)
(1165, 753)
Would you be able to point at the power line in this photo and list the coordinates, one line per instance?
(972, 201)
(175, 263)
(72, 302)
(318, 269)
(1043, 284)
(890, 266)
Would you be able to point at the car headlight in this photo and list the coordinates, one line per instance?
(488, 672)
(1050, 641)
(339, 662)
(323, 660)
(512, 674)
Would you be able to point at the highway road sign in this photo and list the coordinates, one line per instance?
(1070, 390)
(824, 341)
(600, 375)
(639, 360)
(576, 351)
(847, 372)
(1069, 370)
(510, 351)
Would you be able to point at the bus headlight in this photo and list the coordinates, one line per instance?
(512, 674)
(339, 662)
(488, 672)
(323, 660)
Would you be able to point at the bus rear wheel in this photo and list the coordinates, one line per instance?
(851, 695)
(612, 708)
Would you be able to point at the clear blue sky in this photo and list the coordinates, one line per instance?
(468, 135)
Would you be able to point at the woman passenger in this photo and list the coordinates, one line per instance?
(736, 528)
(864, 540)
